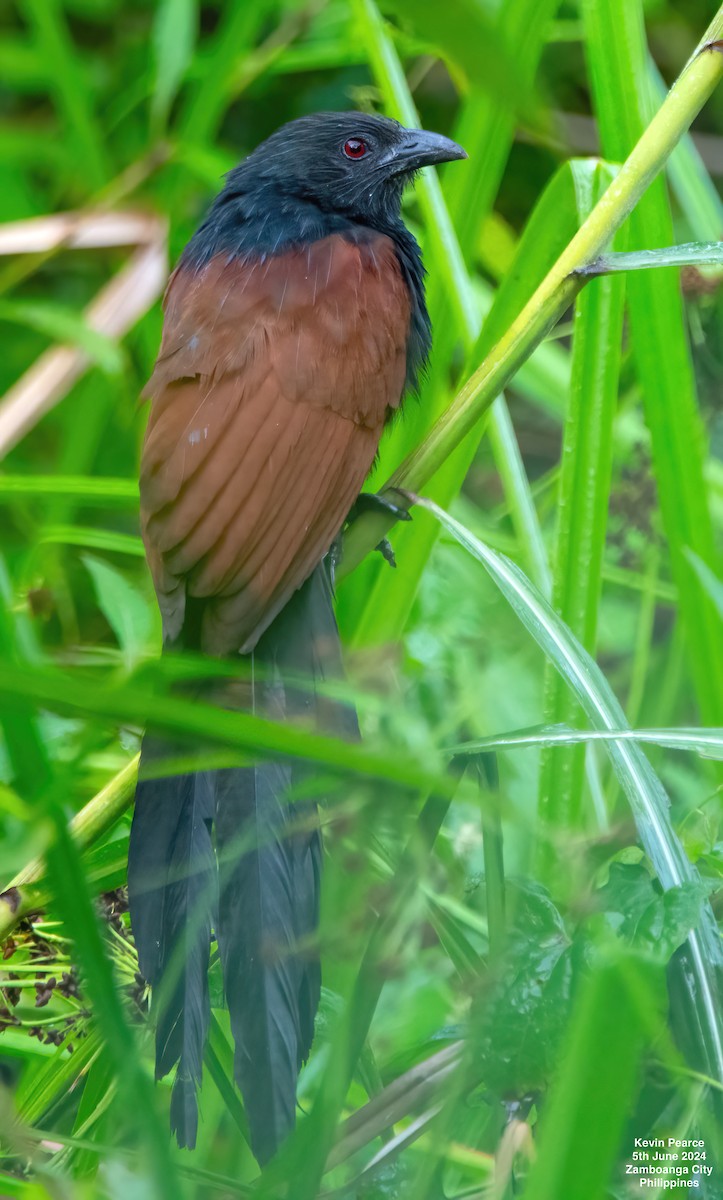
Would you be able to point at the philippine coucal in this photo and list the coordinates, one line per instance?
(294, 323)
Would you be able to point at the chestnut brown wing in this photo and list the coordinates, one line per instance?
(269, 397)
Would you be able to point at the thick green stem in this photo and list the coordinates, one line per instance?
(557, 290)
(22, 895)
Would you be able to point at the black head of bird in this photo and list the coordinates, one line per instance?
(352, 163)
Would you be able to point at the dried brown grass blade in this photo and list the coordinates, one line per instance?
(115, 309)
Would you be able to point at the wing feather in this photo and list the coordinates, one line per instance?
(237, 479)
(270, 395)
(271, 585)
(280, 508)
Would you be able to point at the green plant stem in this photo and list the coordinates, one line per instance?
(23, 895)
(557, 290)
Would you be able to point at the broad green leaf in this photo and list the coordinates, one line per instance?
(522, 1009)
(653, 922)
(667, 922)
(627, 893)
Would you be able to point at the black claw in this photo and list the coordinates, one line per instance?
(385, 549)
(333, 558)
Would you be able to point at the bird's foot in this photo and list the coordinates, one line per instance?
(385, 549)
(376, 502)
(334, 557)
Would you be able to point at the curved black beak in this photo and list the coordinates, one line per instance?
(421, 148)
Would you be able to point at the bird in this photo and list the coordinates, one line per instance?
(294, 325)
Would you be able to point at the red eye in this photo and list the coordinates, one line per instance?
(355, 148)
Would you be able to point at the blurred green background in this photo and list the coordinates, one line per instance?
(528, 944)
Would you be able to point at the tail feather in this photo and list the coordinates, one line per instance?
(269, 857)
(171, 889)
(269, 896)
(258, 931)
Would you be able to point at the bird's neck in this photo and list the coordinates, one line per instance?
(260, 223)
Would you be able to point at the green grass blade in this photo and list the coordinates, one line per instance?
(582, 499)
(174, 37)
(314, 1141)
(241, 732)
(692, 254)
(81, 488)
(66, 79)
(39, 1089)
(486, 124)
(617, 53)
(470, 37)
(205, 103)
(63, 324)
(92, 539)
(647, 798)
(706, 742)
(515, 483)
(709, 581)
(87, 827)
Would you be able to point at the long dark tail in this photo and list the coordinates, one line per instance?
(269, 858)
